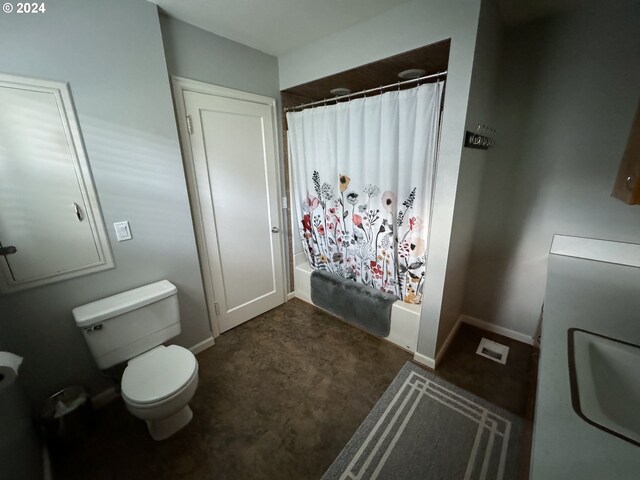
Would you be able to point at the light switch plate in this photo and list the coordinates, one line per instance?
(123, 231)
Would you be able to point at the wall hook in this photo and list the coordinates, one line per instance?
(482, 138)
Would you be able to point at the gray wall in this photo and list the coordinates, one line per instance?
(480, 110)
(111, 54)
(568, 89)
(199, 55)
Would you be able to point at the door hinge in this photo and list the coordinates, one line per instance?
(189, 126)
(217, 308)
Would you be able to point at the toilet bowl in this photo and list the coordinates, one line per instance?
(159, 381)
(157, 387)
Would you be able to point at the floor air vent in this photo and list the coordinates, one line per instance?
(493, 351)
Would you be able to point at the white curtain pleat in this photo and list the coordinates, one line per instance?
(363, 179)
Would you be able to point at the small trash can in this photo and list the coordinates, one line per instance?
(67, 415)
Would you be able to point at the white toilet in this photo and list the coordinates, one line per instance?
(159, 381)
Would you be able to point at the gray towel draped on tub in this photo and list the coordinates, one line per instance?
(359, 304)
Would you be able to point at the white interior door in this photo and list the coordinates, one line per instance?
(235, 165)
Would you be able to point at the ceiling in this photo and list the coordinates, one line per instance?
(275, 26)
(280, 26)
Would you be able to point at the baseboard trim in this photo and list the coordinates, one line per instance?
(203, 345)
(447, 342)
(104, 398)
(303, 296)
(490, 327)
(291, 295)
(424, 360)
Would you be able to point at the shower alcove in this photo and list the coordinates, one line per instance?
(431, 59)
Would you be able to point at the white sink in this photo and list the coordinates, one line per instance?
(605, 383)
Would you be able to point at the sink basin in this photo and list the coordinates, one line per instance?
(605, 383)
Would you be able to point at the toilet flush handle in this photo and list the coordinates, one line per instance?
(92, 328)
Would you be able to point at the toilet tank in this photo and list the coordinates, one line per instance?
(122, 326)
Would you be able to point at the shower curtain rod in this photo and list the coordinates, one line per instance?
(364, 92)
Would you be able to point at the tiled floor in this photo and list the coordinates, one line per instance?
(278, 398)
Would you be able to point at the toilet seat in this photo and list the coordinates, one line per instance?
(158, 374)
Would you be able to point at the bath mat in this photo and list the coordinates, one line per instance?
(354, 302)
(425, 428)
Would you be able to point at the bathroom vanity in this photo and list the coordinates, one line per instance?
(587, 418)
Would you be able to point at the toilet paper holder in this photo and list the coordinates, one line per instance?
(9, 365)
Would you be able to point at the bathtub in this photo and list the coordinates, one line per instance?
(405, 317)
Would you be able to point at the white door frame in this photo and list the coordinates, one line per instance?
(181, 85)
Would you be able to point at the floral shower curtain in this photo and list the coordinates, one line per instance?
(363, 178)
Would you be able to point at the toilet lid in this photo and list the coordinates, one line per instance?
(158, 373)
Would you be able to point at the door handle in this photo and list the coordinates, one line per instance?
(76, 208)
(275, 230)
(9, 250)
